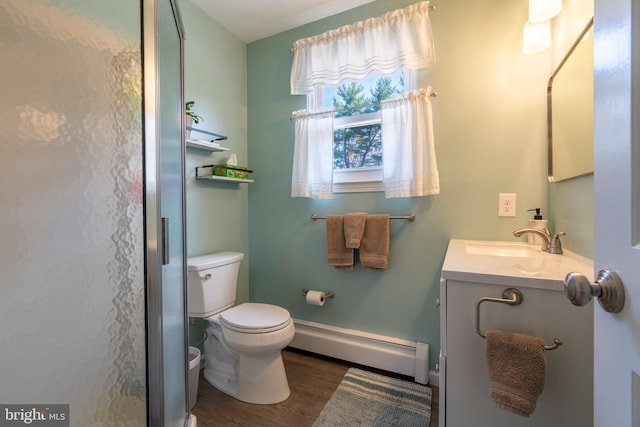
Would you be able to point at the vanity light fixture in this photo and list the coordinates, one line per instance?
(543, 10)
(536, 37)
(536, 34)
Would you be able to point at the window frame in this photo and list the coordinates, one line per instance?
(358, 180)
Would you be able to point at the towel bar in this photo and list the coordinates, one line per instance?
(410, 217)
(511, 296)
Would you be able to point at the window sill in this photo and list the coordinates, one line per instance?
(360, 180)
(357, 187)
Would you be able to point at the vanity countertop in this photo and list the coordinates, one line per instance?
(499, 263)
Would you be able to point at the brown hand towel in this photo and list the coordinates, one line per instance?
(338, 255)
(516, 366)
(374, 247)
(354, 228)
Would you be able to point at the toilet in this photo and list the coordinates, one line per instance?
(242, 352)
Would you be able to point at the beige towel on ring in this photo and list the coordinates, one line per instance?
(517, 367)
(338, 255)
(374, 247)
(354, 228)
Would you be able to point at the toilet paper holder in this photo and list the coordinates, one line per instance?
(325, 295)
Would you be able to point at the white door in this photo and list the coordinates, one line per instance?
(617, 209)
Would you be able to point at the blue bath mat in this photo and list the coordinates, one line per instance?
(368, 399)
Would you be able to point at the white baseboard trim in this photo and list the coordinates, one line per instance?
(404, 357)
(434, 378)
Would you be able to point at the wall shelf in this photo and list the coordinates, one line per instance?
(206, 132)
(204, 145)
(212, 177)
(211, 145)
(223, 178)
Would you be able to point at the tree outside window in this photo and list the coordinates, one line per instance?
(357, 134)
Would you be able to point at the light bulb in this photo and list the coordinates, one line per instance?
(543, 10)
(536, 37)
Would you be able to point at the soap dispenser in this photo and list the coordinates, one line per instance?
(540, 224)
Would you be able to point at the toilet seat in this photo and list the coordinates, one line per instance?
(255, 318)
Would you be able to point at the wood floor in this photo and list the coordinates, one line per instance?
(312, 380)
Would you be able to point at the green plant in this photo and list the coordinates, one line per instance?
(196, 118)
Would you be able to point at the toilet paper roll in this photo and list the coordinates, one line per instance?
(315, 298)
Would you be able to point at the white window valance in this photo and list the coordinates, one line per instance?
(395, 40)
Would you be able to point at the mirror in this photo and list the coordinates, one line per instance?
(570, 111)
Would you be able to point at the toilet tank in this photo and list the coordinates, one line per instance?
(211, 282)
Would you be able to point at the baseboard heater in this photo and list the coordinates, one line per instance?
(404, 357)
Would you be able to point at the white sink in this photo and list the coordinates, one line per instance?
(511, 263)
(505, 249)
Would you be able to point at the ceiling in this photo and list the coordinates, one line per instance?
(252, 20)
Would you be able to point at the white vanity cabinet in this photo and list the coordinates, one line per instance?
(470, 273)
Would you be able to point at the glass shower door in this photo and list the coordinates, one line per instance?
(168, 387)
(84, 194)
(172, 204)
(72, 267)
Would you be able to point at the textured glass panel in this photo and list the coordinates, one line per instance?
(72, 312)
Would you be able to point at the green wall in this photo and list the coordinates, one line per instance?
(490, 129)
(215, 78)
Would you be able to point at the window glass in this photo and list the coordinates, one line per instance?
(370, 91)
(357, 147)
(357, 142)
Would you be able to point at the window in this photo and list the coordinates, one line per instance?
(357, 135)
(402, 128)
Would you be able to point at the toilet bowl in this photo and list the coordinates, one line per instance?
(242, 352)
(246, 360)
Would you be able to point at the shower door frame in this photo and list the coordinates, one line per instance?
(153, 224)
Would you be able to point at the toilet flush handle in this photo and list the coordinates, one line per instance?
(206, 276)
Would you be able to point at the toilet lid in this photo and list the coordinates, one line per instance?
(255, 318)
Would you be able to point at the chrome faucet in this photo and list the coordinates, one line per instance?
(550, 243)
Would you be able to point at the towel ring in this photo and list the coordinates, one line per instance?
(511, 296)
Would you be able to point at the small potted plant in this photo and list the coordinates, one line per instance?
(191, 117)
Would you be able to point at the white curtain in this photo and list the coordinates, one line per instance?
(313, 155)
(398, 39)
(409, 158)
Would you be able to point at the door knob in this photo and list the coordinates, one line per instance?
(608, 288)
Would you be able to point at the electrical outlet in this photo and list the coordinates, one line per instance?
(507, 204)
